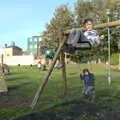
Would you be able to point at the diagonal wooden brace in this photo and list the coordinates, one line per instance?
(48, 73)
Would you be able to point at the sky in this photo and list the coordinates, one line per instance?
(21, 19)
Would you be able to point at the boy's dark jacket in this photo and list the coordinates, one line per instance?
(88, 79)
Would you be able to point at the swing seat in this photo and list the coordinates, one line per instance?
(83, 45)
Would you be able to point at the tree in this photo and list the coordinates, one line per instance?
(58, 24)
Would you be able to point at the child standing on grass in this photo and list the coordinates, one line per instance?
(88, 84)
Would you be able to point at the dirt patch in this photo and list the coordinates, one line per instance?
(75, 110)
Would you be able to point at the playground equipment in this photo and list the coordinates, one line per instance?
(3, 86)
(60, 50)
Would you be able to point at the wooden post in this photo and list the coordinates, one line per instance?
(119, 61)
(45, 79)
(65, 58)
(62, 60)
(2, 63)
(64, 71)
(3, 86)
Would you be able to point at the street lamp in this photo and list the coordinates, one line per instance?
(109, 62)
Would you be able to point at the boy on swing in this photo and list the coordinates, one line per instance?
(79, 39)
(88, 84)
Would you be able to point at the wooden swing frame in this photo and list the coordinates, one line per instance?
(60, 51)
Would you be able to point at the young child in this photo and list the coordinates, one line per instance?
(77, 37)
(88, 84)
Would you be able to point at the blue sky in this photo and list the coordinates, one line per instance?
(20, 19)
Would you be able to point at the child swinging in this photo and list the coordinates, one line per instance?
(79, 39)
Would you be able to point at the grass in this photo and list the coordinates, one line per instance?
(24, 81)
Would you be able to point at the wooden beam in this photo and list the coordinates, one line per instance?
(102, 25)
(109, 24)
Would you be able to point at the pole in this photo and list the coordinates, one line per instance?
(3, 86)
(62, 60)
(64, 71)
(109, 61)
(119, 60)
(38, 44)
(2, 62)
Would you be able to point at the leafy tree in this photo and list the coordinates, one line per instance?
(61, 22)
(83, 9)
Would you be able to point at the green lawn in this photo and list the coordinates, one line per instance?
(23, 83)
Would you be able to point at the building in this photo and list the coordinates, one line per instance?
(13, 55)
(12, 51)
(19, 60)
(33, 46)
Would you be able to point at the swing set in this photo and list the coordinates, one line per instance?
(61, 52)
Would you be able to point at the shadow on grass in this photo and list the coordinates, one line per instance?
(14, 97)
(15, 78)
(16, 87)
(13, 89)
(75, 110)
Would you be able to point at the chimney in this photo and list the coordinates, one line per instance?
(5, 45)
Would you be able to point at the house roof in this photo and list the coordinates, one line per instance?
(14, 46)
